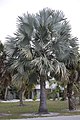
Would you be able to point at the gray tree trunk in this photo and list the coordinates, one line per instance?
(6, 93)
(43, 106)
(65, 93)
(71, 98)
(21, 98)
(79, 100)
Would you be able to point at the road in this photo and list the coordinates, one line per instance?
(75, 117)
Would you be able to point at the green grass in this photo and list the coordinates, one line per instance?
(32, 107)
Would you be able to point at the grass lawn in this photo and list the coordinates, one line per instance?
(32, 107)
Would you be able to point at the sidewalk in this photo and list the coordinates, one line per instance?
(17, 100)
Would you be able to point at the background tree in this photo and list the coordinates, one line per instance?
(5, 76)
(78, 80)
(72, 61)
(1, 67)
(19, 65)
(67, 52)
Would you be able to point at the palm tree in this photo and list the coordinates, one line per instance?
(67, 52)
(69, 57)
(71, 64)
(78, 80)
(18, 68)
(2, 57)
(19, 65)
(41, 42)
(1, 66)
(5, 76)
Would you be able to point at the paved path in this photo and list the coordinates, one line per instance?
(75, 117)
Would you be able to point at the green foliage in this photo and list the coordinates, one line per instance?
(35, 97)
(1, 47)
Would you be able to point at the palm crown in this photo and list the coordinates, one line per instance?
(43, 39)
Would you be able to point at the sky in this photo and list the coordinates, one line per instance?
(11, 9)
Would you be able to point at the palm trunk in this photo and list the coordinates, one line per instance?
(71, 99)
(43, 105)
(79, 100)
(6, 93)
(64, 93)
(21, 98)
(22, 89)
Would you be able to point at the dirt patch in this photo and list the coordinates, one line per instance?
(51, 114)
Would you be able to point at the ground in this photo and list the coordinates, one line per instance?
(12, 110)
